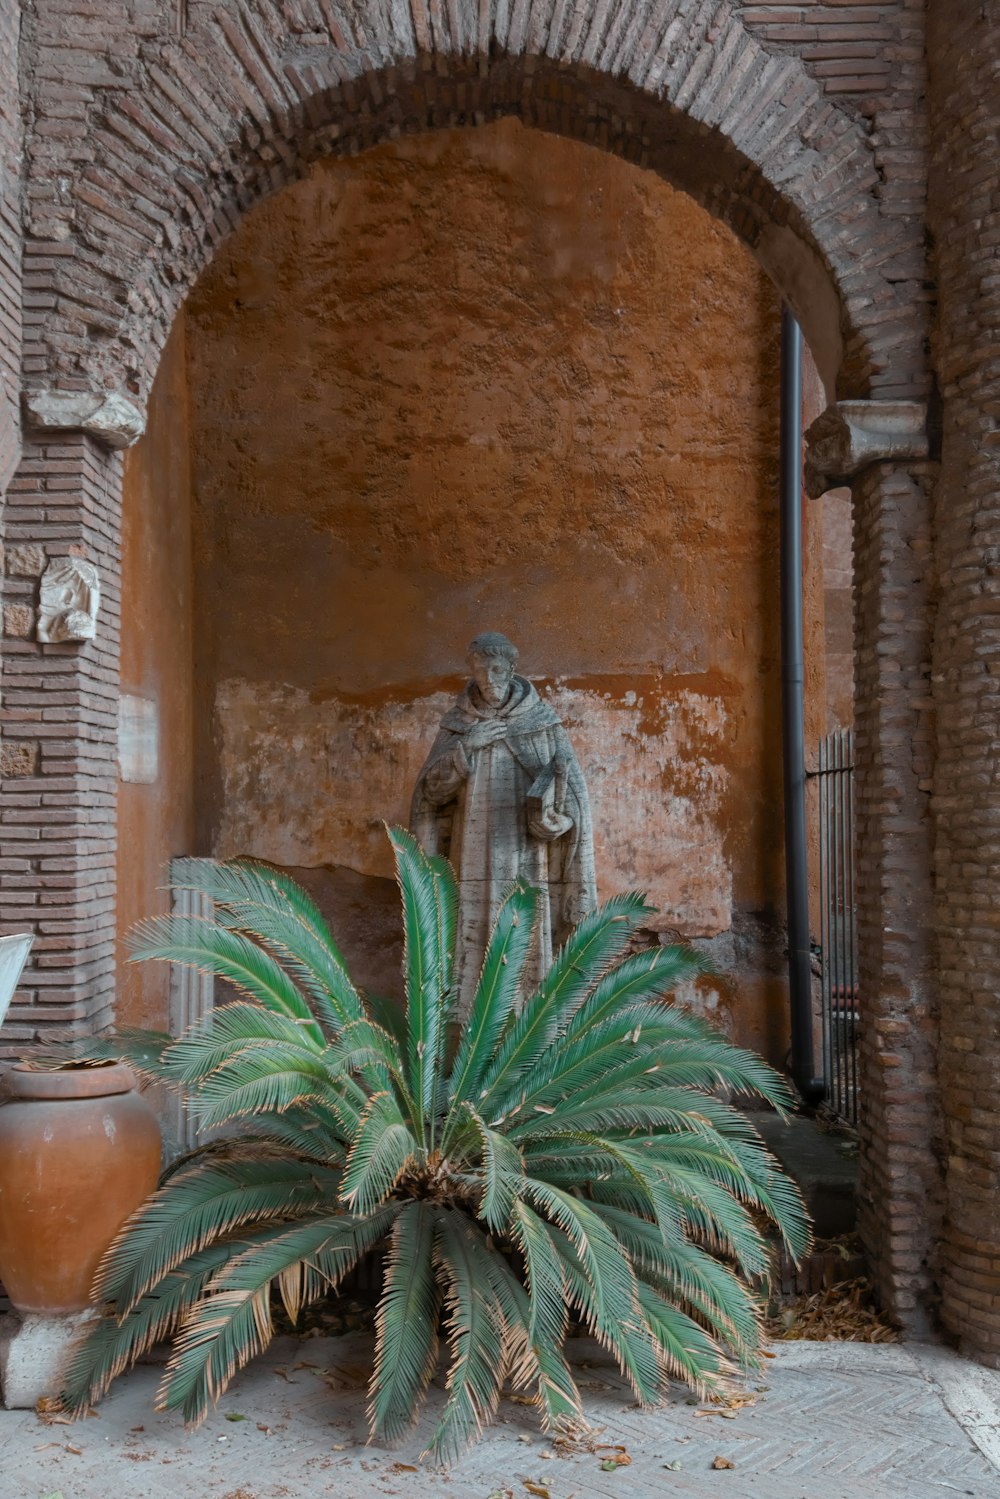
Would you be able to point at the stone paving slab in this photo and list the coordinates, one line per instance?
(835, 1421)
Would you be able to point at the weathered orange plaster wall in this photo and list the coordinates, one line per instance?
(493, 379)
(156, 820)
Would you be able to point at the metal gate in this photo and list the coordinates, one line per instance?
(838, 935)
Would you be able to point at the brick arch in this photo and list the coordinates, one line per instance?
(242, 104)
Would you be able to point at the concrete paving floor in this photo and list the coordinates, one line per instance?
(825, 1421)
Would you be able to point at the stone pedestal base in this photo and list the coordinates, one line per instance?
(34, 1352)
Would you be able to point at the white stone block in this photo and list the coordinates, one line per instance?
(35, 1353)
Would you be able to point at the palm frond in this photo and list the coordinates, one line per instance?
(427, 969)
(502, 1173)
(633, 983)
(475, 1330)
(142, 1050)
(557, 1394)
(406, 1335)
(313, 1131)
(629, 1339)
(446, 902)
(645, 1171)
(608, 1291)
(263, 902)
(689, 1277)
(231, 1322)
(201, 1205)
(718, 1220)
(198, 943)
(684, 1350)
(496, 991)
(615, 1054)
(382, 1148)
(227, 1030)
(117, 1342)
(580, 962)
(266, 1078)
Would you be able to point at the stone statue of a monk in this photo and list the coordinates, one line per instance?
(502, 796)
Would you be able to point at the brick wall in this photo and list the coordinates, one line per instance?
(900, 1196)
(155, 144)
(965, 219)
(870, 60)
(60, 719)
(10, 244)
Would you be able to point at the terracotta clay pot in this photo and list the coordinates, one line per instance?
(79, 1151)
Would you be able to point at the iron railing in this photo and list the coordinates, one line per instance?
(838, 931)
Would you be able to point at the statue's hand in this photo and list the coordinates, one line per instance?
(549, 825)
(484, 733)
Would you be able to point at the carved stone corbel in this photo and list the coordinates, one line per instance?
(852, 434)
(109, 417)
(70, 599)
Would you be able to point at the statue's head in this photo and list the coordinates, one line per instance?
(492, 659)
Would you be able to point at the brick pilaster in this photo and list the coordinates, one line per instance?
(59, 719)
(964, 61)
(900, 1201)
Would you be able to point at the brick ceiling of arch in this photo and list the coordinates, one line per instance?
(184, 135)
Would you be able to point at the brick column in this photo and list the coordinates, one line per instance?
(900, 1197)
(59, 727)
(964, 64)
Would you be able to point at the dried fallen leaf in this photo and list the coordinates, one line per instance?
(843, 1312)
(722, 1462)
(538, 1489)
(49, 1410)
(404, 1468)
(76, 1451)
(520, 1399)
(265, 1429)
(618, 1456)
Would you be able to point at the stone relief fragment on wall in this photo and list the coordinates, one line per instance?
(70, 597)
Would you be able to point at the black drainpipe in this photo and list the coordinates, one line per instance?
(793, 744)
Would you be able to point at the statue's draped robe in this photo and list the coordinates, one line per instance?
(472, 807)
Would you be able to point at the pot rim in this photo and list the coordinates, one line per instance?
(73, 1081)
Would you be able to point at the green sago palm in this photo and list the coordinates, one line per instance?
(573, 1157)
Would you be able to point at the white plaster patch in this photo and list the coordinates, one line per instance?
(649, 834)
(138, 740)
(309, 782)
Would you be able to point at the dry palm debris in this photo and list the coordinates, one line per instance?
(839, 1313)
